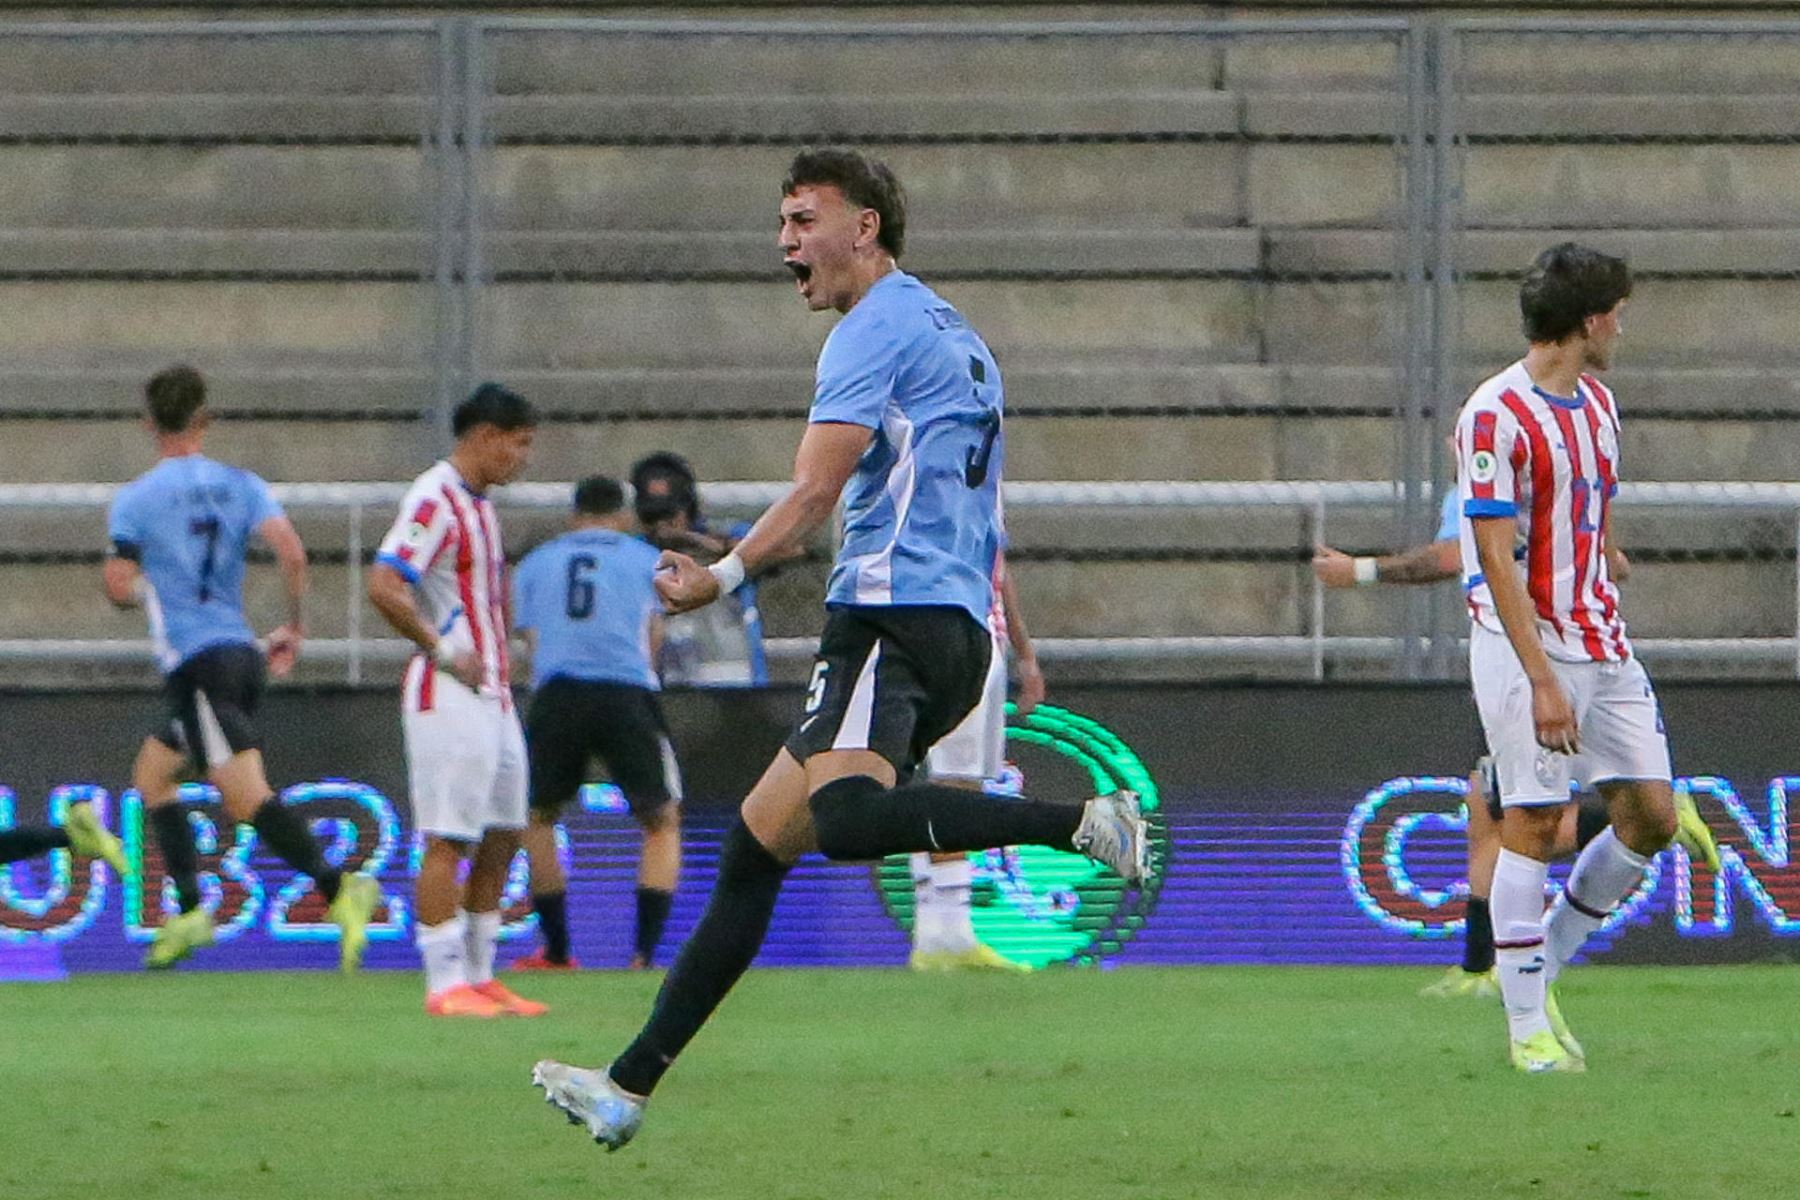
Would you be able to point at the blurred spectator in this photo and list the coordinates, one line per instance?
(720, 645)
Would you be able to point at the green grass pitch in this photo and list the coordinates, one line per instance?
(1254, 1082)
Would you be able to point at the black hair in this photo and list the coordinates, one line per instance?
(491, 404)
(1566, 285)
(866, 182)
(683, 494)
(173, 396)
(599, 496)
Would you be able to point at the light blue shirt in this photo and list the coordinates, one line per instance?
(1449, 520)
(588, 595)
(187, 523)
(921, 512)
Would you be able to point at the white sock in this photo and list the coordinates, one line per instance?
(1607, 872)
(1517, 908)
(441, 946)
(483, 936)
(941, 919)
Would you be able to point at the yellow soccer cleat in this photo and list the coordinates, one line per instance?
(1542, 1054)
(358, 897)
(1457, 983)
(978, 957)
(1693, 834)
(90, 839)
(179, 937)
(1560, 1027)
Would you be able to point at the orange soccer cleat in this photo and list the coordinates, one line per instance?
(510, 1002)
(535, 961)
(462, 1001)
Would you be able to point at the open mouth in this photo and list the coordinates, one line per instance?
(802, 271)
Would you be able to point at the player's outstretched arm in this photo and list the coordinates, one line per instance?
(1025, 660)
(1433, 562)
(828, 456)
(1617, 565)
(1550, 707)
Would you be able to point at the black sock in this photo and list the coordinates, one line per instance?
(175, 838)
(1478, 937)
(1590, 818)
(553, 922)
(720, 949)
(857, 818)
(292, 842)
(29, 841)
(652, 914)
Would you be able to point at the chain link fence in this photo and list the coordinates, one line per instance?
(1227, 251)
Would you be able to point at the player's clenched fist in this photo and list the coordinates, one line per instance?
(684, 584)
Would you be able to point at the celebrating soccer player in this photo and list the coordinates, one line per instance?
(440, 580)
(179, 534)
(907, 415)
(1560, 693)
(587, 602)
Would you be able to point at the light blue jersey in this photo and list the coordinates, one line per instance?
(187, 523)
(588, 596)
(1449, 520)
(921, 521)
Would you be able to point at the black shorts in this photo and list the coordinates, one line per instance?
(212, 700)
(892, 679)
(573, 721)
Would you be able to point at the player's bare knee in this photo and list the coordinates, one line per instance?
(664, 818)
(1531, 829)
(1646, 821)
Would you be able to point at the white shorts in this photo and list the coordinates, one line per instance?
(1617, 718)
(976, 748)
(465, 764)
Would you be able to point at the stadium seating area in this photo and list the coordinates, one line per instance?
(1185, 252)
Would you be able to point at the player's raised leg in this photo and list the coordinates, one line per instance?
(81, 833)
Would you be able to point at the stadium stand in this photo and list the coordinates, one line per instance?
(1184, 250)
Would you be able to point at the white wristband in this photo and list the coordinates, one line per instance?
(444, 653)
(1365, 571)
(729, 571)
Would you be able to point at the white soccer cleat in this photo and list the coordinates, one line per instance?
(1112, 832)
(590, 1098)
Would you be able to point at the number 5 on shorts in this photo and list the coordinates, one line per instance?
(815, 691)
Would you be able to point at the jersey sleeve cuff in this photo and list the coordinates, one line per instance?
(407, 571)
(1490, 508)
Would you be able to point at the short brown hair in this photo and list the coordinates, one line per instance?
(866, 182)
(173, 396)
(1568, 284)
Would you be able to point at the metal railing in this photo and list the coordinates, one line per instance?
(1315, 648)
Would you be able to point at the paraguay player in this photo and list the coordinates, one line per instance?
(1561, 695)
(440, 580)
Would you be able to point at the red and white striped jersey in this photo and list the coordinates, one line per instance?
(446, 542)
(1552, 464)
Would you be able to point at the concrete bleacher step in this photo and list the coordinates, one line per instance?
(1632, 187)
(796, 60)
(625, 255)
(1571, 62)
(1306, 252)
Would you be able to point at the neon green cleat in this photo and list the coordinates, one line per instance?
(1457, 983)
(1541, 1054)
(358, 897)
(90, 839)
(979, 957)
(1560, 1027)
(179, 937)
(1693, 834)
